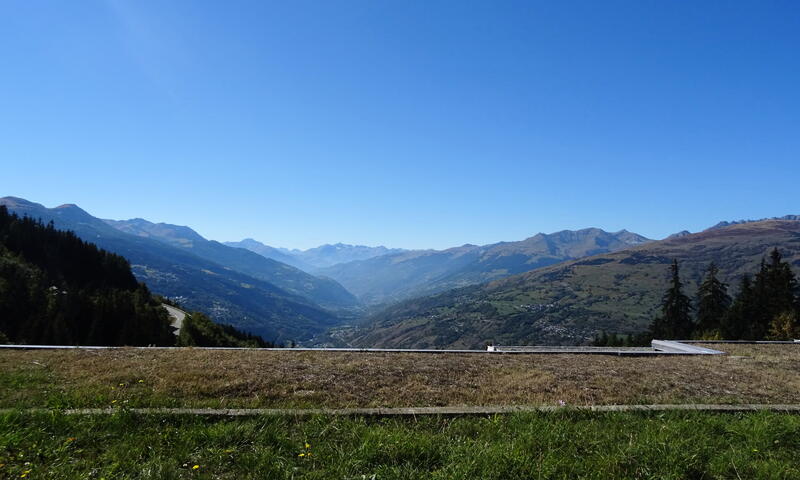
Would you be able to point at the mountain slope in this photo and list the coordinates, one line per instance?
(323, 291)
(396, 277)
(570, 302)
(228, 296)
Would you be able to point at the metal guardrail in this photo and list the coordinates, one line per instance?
(659, 347)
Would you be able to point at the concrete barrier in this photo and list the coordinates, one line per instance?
(672, 346)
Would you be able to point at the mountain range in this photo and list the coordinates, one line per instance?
(562, 287)
(570, 302)
(316, 258)
(393, 277)
(323, 291)
(277, 254)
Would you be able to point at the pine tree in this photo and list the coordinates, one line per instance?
(736, 324)
(775, 290)
(675, 321)
(713, 302)
(759, 322)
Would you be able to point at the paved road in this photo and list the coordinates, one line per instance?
(177, 317)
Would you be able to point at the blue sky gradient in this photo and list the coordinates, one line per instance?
(410, 124)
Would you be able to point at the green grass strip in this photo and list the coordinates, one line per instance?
(563, 444)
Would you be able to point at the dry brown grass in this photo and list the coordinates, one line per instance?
(214, 378)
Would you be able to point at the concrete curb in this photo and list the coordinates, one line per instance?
(413, 411)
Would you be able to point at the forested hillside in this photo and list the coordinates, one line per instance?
(227, 296)
(57, 289)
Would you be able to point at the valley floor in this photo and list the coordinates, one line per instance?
(759, 374)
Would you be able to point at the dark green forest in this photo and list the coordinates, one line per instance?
(57, 289)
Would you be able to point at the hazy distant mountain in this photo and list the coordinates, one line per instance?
(323, 291)
(318, 257)
(270, 252)
(404, 275)
(570, 302)
(227, 295)
(328, 255)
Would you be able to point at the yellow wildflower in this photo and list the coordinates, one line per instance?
(195, 467)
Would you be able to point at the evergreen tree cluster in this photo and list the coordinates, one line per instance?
(766, 307)
(57, 289)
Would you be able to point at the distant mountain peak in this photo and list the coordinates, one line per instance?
(680, 234)
(725, 223)
(19, 202)
(178, 235)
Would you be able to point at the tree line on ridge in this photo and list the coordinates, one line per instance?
(766, 307)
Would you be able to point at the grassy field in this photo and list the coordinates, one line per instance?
(245, 379)
(558, 445)
(564, 444)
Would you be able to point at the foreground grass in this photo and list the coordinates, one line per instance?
(560, 445)
(247, 379)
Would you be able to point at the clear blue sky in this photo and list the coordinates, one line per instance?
(405, 123)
